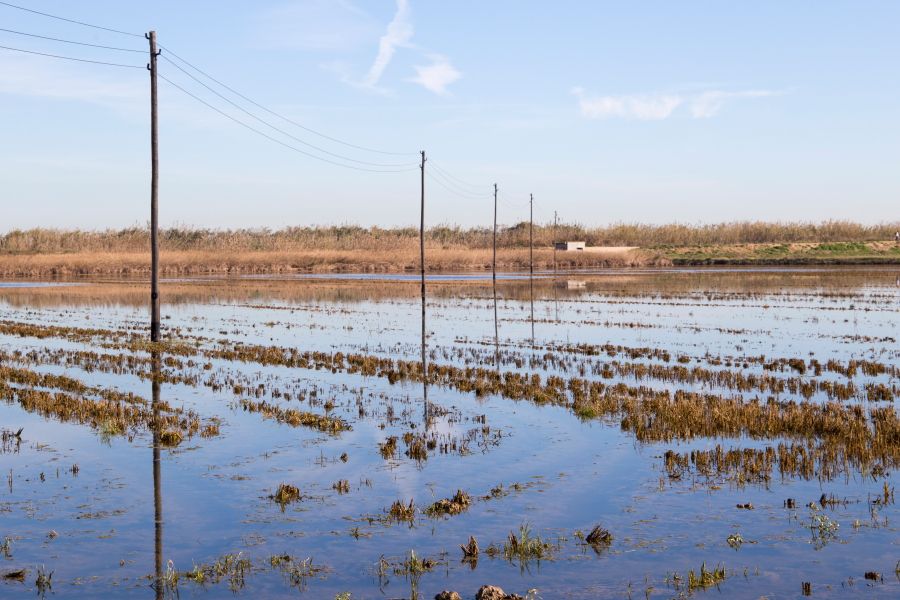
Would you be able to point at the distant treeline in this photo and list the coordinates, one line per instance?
(349, 237)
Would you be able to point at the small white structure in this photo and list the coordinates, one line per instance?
(569, 245)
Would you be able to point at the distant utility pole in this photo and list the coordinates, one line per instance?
(554, 243)
(494, 267)
(531, 233)
(494, 272)
(531, 260)
(422, 262)
(154, 193)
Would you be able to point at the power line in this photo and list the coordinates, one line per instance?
(463, 185)
(43, 14)
(44, 37)
(459, 191)
(516, 205)
(281, 131)
(280, 116)
(84, 60)
(274, 139)
(451, 190)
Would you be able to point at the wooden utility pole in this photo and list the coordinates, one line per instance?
(554, 244)
(422, 262)
(494, 273)
(531, 233)
(494, 263)
(531, 259)
(154, 193)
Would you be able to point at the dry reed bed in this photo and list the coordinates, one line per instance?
(355, 238)
(193, 262)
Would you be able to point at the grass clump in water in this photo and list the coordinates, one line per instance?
(285, 494)
(388, 448)
(450, 506)
(402, 512)
(705, 578)
(525, 546)
(297, 572)
(232, 566)
(599, 537)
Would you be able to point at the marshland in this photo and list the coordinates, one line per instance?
(417, 300)
(650, 433)
(48, 253)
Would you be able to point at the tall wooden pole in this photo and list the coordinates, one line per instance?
(531, 259)
(531, 233)
(422, 262)
(494, 277)
(494, 262)
(154, 312)
(154, 194)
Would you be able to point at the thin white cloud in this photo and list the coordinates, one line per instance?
(399, 33)
(708, 104)
(660, 105)
(436, 76)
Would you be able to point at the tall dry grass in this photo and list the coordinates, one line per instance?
(406, 258)
(375, 239)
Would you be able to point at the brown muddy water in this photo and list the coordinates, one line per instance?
(639, 434)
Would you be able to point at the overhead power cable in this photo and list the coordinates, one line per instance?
(274, 139)
(516, 205)
(82, 23)
(84, 60)
(279, 130)
(280, 116)
(459, 182)
(459, 191)
(441, 183)
(44, 37)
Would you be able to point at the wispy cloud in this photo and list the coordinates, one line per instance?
(436, 76)
(708, 104)
(399, 33)
(660, 105)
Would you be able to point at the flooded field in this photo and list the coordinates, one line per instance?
(635, 434)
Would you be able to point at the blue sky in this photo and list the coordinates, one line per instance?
(607, 111)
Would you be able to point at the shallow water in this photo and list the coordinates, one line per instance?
(563, 470)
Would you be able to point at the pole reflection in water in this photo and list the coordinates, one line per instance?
(555, 303)
(159, 584)
(427, 413)
(531, 289)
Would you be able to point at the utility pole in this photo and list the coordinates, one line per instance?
(494, 272)
(531, 259)
(494, 267)
(531, 233)
(554, 244)
(422, 262)
(154, 193)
